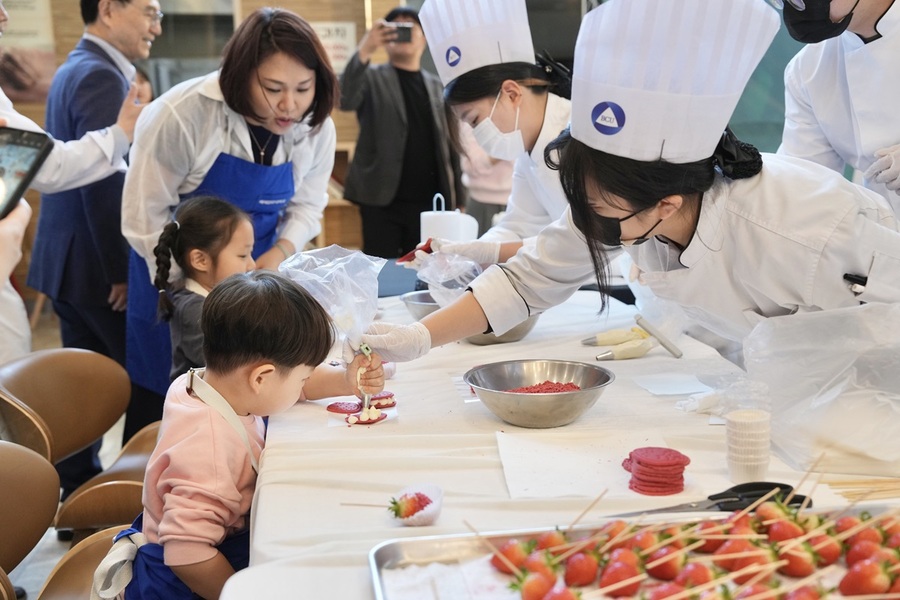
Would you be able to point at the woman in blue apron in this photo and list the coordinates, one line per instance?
(256, 133)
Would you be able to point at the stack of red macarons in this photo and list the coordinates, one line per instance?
(656, 471)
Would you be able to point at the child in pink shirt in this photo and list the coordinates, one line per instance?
(263, 337)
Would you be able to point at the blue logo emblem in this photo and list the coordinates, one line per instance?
(608, 118)
(453, 56)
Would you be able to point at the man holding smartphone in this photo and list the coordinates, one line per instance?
(403, 156)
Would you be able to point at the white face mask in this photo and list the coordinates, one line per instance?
(500, 145)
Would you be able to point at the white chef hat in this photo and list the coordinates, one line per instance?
(659, 79)
(464, 35)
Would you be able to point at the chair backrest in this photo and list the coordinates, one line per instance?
(79, 394)
(7, 590)
(21, 425)
(73, 575)
(29, 494)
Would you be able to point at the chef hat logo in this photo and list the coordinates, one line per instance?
(608, 118)
(464, 35)
(676, 68)
(454, 55)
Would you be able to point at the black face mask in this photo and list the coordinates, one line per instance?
(814, 24)
(611, 231)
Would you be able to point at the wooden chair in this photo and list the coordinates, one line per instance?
(113, 496)
(7, 591)
(75, 395)
(29, 494)
(73, 575)
(58, 402)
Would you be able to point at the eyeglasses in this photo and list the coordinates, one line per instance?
(154, 16)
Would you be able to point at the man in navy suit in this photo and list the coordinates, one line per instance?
(80, 258)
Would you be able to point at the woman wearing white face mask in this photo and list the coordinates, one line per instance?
(514, 105)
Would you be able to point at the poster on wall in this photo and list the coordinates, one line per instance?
(339, 40)
(27, 54)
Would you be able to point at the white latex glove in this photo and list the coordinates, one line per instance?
(398, 343)
(886, 169)
(484, 253)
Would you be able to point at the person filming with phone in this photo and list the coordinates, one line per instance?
(403, 156)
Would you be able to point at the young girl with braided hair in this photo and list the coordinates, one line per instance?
(209, 240)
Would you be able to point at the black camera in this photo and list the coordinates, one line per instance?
(403, 32)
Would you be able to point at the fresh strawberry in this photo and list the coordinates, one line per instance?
(869, 533)
(533, 586)
(861, 550)
(664, 590)
(626, 555)
(581, 569)
(515, 551)
(541, 561)
(710, 544)
(550, 539)
(563, 593)
(865, 577)
(730, 548)
(846, 522)
(408, 504)
(674, 535)
(616, 572)
(784, 529)
(694, 574)
(807, 592)
(643, 540)
(615, 530)
(827, 549)
(667, 563)
(764, 559)
(801, 561)
(770, 512)
(744, 521)
(895, 587)
(893, 541)
(809, 521)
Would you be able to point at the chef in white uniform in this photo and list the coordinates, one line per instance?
(841, 89)
(483, 53)
(730, 235)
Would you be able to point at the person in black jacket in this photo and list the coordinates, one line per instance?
(403, 156)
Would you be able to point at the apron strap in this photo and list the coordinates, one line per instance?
(115, 571)
(214, 399)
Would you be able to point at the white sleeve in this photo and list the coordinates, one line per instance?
(160, 159)
(803, 136)
(525, 214)
(95, 156)
(313, 159)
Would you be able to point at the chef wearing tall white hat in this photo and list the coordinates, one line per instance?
(730, 235)
(516, 103)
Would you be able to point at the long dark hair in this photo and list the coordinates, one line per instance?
(544, 76)
(640, 184)
(203, 223)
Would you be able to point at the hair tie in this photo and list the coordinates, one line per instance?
(736, 159)
(161, 292)
(177, 225)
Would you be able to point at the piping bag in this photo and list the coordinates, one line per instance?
(630, 349)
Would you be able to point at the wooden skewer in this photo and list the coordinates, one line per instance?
(732, 536)
(811, 468)
(806, 501)
(626, 534)
(585, 511)
(362, 504)
(568, 549)
(793, 586)
(787, 545)
(758, 501)
(690, 592)
(730, 555)
(669, 540)
(675, 554)
(872, 494)
(764, 572)
(601, 592)
(863, 524)
(863, 483)
(496, 552)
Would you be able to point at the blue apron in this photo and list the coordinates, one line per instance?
(261, 191)
(151, 579)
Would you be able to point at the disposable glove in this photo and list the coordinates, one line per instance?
(398, 343)
(482, 252)
(886, 169)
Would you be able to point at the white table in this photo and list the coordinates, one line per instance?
(304, 541)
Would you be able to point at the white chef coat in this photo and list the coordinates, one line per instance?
(537, 198)
(178, 138)
(96, 155)
(770, 245)
(841, 99)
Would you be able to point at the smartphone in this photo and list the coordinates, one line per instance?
(404, 31)
(21, 155)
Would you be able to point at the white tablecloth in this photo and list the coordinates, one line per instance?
(304, 541)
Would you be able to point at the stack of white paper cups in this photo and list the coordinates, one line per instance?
(748, 433)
